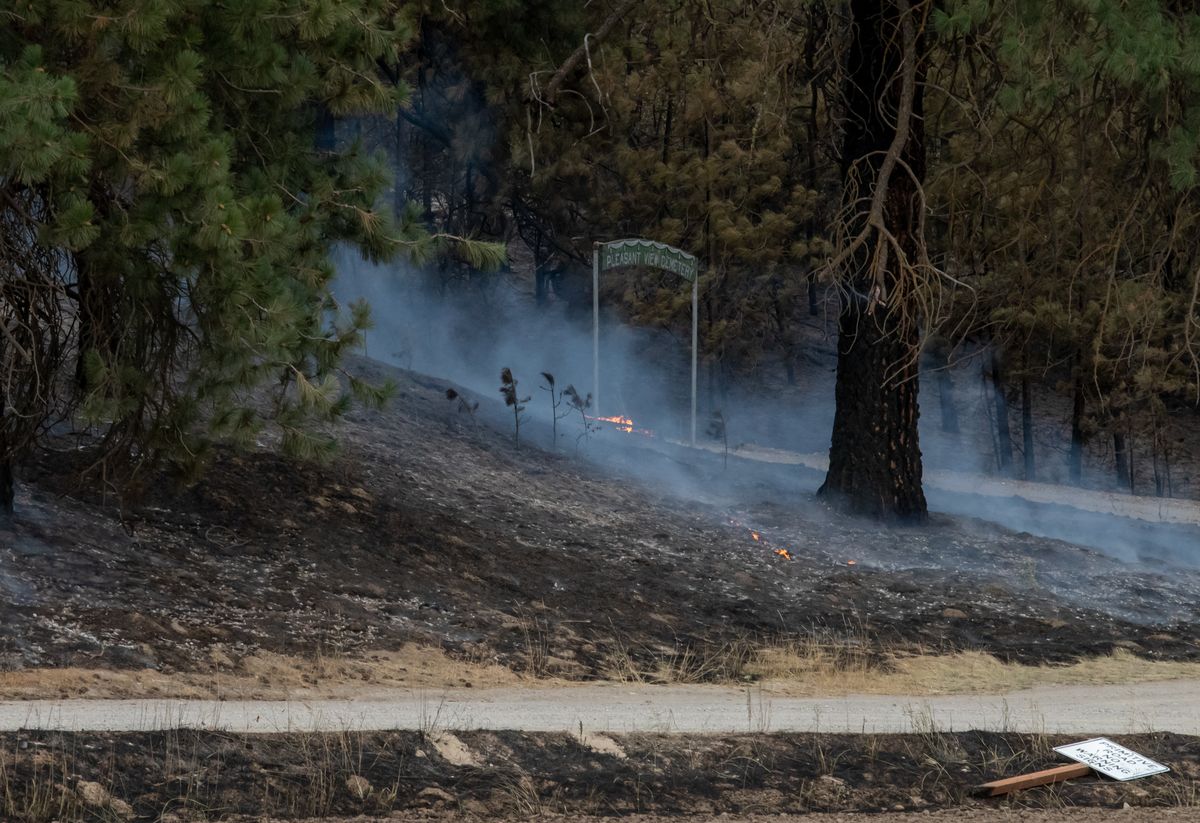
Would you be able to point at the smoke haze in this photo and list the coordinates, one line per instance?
(467, 335)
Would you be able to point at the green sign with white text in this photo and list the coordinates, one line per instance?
(647, 253)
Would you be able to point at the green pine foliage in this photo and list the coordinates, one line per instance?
(158, 178)
(691, 127)
(1066, 198)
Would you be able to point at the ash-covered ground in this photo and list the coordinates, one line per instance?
(616, 550)
(186, 775)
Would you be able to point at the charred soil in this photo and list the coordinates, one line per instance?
(187, 775)
(612, 557)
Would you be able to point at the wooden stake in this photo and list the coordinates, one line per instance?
(1028, 781)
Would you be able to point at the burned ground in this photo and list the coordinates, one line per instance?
(431, 527)
(188, 775)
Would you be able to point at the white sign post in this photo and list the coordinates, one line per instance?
(1111, 759)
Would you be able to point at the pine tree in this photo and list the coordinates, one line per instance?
(1067, 193)
(167, 212)
(875, 458)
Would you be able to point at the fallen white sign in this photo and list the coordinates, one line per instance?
(1111, 760)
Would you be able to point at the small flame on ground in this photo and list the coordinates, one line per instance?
(757, 537)
(624, 424)
(851, 562)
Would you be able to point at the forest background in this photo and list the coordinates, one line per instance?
(175, 171)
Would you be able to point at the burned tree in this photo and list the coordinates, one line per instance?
(512, 399)
(557, 401)
(36, 331)
(463, 405)
(580, 405)
(882, 266)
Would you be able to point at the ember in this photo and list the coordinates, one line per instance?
(851, 562)
(624, 424)
(757, 537)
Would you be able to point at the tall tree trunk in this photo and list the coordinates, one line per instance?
(1158, 480)
(1075, 466)
(1004, 450)
(399, 195)
(98, 315)
(667, 126)
(810, 61)
(1121, 458)
(875, 455)
(1162, 463)
(540, 274)
(1027, 428)
(1132, 462)
(8, 487)
(946, 402)
(945, 386)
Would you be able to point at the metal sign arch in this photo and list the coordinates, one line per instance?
(650, 254)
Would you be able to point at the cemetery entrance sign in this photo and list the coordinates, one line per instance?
(649, 254)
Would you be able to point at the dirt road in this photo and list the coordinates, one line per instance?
(1164, 706)
(1151, 509)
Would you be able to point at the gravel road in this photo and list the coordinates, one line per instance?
(1163, 706)
(1151, 509)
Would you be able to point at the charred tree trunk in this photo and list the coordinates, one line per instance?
(1075, 466)
(1162, 461)
(1158, 480)
(875, 455)
(1027, 429)
(946, 402)
(810, 52)
(7, 483)
(98, 313)
(1004, 450)
(1121, 458)
(399, 195)
(8, 489)
(945, 386)
(539, 271)
(1132, 446)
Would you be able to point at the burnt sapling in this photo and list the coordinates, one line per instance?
(556, 402)
(463, 404)
(579, 404)
(508, 388)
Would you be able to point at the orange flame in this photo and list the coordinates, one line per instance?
(851, 562)
(757, 537)
(624, 424)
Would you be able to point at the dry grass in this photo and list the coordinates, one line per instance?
(807, 666)
(264, 676)
(823, 664)
(802, 669)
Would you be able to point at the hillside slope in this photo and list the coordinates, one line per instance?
(432, 528)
